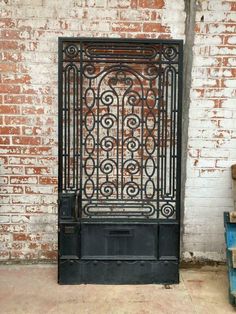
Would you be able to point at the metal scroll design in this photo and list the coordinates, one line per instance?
(120, 121)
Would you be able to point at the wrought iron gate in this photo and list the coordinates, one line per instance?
(119, 160)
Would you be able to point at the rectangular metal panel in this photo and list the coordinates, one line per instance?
(69, 241)
(168, 241)
(118, 272)
(67, 206)
(119, 241)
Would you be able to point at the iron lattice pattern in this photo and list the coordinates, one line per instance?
(120, 127)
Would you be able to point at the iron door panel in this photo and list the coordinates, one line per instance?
(119, 241)
(119, 160)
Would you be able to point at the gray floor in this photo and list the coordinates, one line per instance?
(33, 289)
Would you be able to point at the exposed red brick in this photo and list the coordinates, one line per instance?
(8, 45)
(9, 130)
(48, 180)
(153, 4)
(20, 237)
(51, 255)
(10, 34)
(6, 109)
(18, 99)
(7, 23)
(16, 120)
(14, 89)
(154, 27)
(37, 170)
(8, 67)
(4, 140)
(26, 140)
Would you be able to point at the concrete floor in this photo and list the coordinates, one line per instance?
(34, 289)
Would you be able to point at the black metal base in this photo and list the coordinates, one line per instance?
(118, 272)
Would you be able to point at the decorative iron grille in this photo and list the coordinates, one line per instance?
(119, 144)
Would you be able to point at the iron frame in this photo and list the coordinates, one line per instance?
(65, 275)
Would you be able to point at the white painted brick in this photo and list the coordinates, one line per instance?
(232, 40)
(195, 133)
(219, 28)
(43, 219)
(216, 16)
(205, 227)
(197, 82)
(200, 213)
(205, 163)
(216, 183)
(213, 173)
(26, 2)
(207, 40)
(199, 143)
(203, 123)
(217, 153)
(199, 61)
(220, 72)
(203, 103)
(199, 72)
(228, 103)
(201, 51)
(4, 219)
(224, 163)
(12, 209)
(232, 61)
(218, 5)
(209, 192)
(101, 26)
(230, 83)
(219, 93)
(232, 153)
(209, 202)
(214, 50)
(19, 219)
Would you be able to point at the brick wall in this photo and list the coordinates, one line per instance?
(29, 32)
(212, 130)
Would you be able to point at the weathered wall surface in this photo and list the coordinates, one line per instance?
(29, 32)
(212, 130)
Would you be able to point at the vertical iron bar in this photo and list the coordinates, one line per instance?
(60, 115)
(74, 126)
(65, 128)
(179, 129)
(77, 131)
(68, 125)
(81, 121)
(171, 135)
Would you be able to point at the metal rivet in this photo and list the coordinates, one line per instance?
(118, 263)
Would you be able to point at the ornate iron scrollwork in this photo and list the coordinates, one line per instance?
(120, 120)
